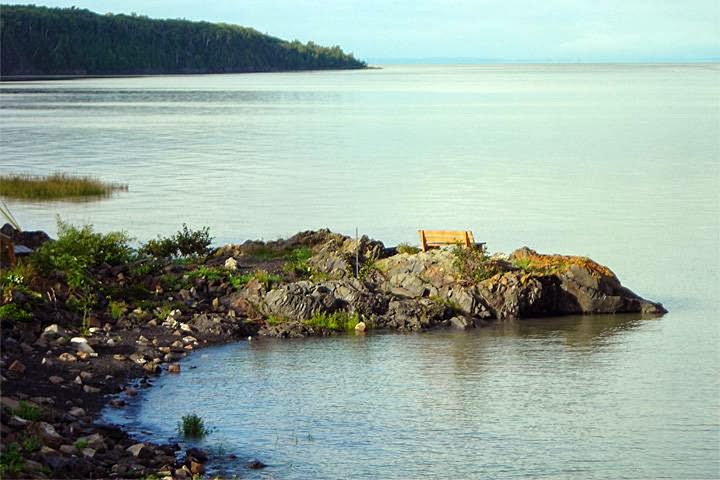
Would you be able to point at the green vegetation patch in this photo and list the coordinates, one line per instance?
(55, 187)
(473, 265)
(192, 426)
(186, 243)
(340, 321)
(14, 313)
(407, 248)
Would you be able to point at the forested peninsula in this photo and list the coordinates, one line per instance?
(40, 41)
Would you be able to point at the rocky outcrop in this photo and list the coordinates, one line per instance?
(413, 292)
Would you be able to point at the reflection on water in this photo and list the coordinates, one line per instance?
(554, 397)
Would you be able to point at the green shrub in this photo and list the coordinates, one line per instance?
(117, 309)
(12, 312)
(523, 263)
(296, 262)
(31, 444)
(80, 444)
(267, 279)
(184, 243)
(367, 268)
(78, 249)
(192, 426)
(27, 411)
(337, 321)
(11, 460)
(407, 248)
(208, 273)
(473, 265)
(239, 281)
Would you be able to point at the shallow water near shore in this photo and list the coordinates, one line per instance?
(617, 162)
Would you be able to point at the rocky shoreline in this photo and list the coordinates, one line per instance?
(61, 365)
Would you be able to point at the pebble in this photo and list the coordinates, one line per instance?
(17, 367)
(119, 357)
(55, 380)
(67, 357)
(174, 368)
(89, 389)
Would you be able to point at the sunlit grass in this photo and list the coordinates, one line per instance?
(54, 187)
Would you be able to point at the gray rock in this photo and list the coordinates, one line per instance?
(47, 434)
(81, 345)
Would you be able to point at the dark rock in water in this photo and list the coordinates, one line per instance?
(256, 464)
(198, 454)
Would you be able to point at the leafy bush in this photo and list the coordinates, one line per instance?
(79, 249)
(12, 312)
(407, 248)
(239, 281)
(473, 264)
(192, 426)
(184, 243)
(523, 263)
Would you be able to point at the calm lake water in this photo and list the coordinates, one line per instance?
(620, 163)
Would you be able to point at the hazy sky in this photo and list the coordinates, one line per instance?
(562, 30)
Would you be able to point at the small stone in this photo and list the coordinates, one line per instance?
(9, 403)
(184, 327)
(117, 403)
(53, 331)
(119, 357)
(189, 339)
(231, 264)
(68, 449)
(17, 367)
(137, 358)
(152, 323)
(86, 375)
(152, 367)
(81, 345)
(142, 340)
(174, 368)
(55, 380)
(164, 349)
(18, 422)
(78, 380)
(88, 452)
(110, 342)
(47, 434)
(196, 468)
(131, 392)
(178, 345)
(216, 303)
(255, 464)
(84, 355)
(67, 357)
(360, 327)
(94, 441)
(77, 412)
(89, 389)
(140, 450)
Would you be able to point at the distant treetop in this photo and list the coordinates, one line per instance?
(70, 41)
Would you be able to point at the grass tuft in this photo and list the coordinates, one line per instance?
(54, 187)
(192, 426)
(340, 321)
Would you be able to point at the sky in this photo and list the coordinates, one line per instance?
(467, 30)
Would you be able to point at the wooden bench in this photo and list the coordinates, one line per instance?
(440, 238)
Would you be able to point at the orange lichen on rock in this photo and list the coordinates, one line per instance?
(534, 262)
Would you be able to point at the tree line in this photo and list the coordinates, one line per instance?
(70, 41)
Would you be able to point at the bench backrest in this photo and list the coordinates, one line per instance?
(438, 238)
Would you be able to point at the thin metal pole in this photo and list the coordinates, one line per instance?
(357, 254)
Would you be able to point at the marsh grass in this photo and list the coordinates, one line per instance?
(55, 187)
